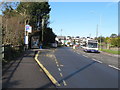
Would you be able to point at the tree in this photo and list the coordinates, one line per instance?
(12, 25)
(114, 42)
(113, 35)
(17, 15)
(108, 42)
(100, 38)
(38, 11)
(49, 36)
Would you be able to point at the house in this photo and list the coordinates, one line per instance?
(61, 39)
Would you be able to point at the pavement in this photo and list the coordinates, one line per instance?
(25, 73)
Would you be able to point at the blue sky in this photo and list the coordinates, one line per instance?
(81, 18)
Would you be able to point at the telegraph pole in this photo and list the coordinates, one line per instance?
(61, 32)
(100, 41)
(97, 31)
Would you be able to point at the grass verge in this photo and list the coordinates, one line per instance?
(110, 51)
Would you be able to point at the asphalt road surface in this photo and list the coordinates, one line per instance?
(73, 70)
(111, 60)
(70, 68)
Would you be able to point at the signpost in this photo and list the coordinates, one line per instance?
(28, 29)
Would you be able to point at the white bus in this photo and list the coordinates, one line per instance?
(91, 45)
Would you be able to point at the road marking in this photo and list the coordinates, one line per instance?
(94, 59)
(113, 67)
(59, 69)
(64, 83)
(97, 60)
(57, 65)
(61, 74)
(85, 56)
(61, 65)
(54, 81)
(56, 62)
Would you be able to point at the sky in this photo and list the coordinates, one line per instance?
(81, 18)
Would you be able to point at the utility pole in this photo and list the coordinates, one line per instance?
(61, 32)
(97, 31)
(90, 35)
(100, 41)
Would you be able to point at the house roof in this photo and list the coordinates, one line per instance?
(61, 37)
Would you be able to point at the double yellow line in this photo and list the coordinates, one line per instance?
(54, 81)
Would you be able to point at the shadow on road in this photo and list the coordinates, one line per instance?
(74, 73)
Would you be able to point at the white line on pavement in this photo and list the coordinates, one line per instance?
(113, 67)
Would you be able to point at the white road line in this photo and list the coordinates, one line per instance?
(61, 65)
(97, 60)
(57, 65)
(85, 56)
(64, 83)
(113, 67)
(56, 62)
(61, 74)
(59, 69)
(94, 59)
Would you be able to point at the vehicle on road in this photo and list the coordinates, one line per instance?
(91, 45)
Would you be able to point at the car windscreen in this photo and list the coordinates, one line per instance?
(92, 45)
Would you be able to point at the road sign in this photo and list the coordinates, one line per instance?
(28, 28)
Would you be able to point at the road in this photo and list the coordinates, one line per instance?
(111, 60)
(70, 68)
(73, 70)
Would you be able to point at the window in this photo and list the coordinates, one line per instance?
(92, 45)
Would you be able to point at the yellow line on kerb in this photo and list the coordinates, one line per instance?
(54, 81)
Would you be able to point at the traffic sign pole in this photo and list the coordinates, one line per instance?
(28, 29)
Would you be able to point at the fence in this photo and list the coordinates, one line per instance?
(10, 52)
